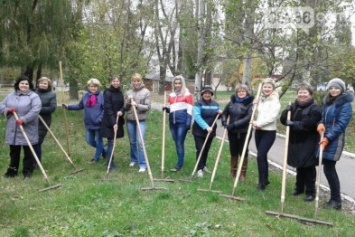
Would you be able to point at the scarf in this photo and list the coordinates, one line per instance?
(91, 101)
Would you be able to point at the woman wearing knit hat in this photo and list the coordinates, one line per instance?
(205, 111)
(336, 115)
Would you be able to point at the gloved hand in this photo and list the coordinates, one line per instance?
(288, 108)
(64, 106)
(10, 111)
(324, 142)
(209, 129)
(321, 128)
(19, 122)
(289, 123)
(230, 126)
(164, 108)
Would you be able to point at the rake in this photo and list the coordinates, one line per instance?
(232, 197)
(60, 146)
(283, 188)
(153, 187)
(37, 160)
(216, 164)
(163, 147)
(200, 155)
(112, 152)
(64, 109)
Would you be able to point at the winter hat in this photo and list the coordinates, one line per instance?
(336, 82)
(207, 88)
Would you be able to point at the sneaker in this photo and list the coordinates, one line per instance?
(200, 173)
(176, 169)
(132, 164)
(206, 170)
(141, 170)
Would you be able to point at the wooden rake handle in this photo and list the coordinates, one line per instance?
(143, 145)
(246, 142)
(203, 147)
(114, 144)
(32, 150)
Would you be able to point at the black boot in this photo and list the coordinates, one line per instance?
(11, 172)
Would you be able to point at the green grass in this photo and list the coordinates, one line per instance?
(86, 206)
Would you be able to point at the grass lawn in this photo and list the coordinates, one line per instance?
(86, 206)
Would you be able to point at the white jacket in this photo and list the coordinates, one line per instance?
(268, 112)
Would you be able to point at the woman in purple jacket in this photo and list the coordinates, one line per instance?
(27, 105)
(93, 104)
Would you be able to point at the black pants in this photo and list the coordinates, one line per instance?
(15, 155)
(305, 180)
(333, 179)
(236, 144)
(198, 144)
(263, 141)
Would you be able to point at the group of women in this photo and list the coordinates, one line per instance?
(311, 127)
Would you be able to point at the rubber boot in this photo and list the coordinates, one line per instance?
(11, 172)
(244, 169)
(234, 164)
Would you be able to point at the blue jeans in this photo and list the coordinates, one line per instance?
(93, 138)
(137, 154)
(178, 132)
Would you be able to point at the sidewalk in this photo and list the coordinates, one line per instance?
(345, 167)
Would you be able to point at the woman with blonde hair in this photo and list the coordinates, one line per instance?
(92, 102)
(268, 108)
(180, 117)
(139, 97)
(239, 110)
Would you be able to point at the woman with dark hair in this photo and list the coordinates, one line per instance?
(336, 115)
(239, 110)
(27, 105)
(303, 138)
(113, 108)
(49, 104)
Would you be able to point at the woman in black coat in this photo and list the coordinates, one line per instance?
(49, 105)
(303, 140)
(113, 107)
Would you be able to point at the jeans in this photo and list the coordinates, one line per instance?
(93, 138)
(332, 176)
(263, 141)
(137, 154)
(178, 132)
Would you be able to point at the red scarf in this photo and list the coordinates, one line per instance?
(91, 101)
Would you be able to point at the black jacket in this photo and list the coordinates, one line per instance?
(304, 137)
(113, 102)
